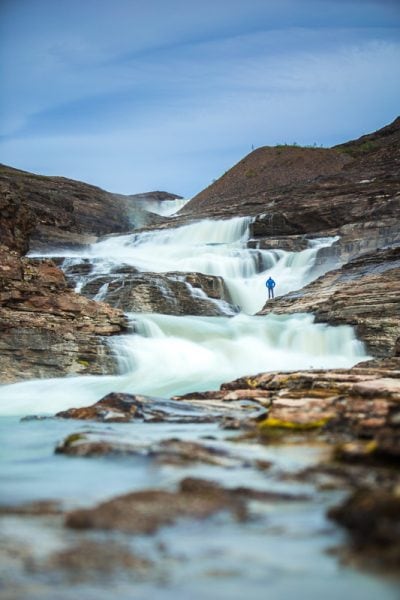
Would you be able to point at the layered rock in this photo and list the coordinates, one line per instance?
(69, 212)
(171, 293)
(46, 329)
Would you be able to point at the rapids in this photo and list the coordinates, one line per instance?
(283, 547)
(169, 355)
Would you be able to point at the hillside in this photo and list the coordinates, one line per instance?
(68, 212)
(284, 177)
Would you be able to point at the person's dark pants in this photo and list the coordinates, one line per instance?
(270, 292)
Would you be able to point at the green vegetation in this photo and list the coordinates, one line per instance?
(296, 145)
(250, 173)
(358, 149)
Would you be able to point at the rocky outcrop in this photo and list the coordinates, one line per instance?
(17, 221)
(69, 212)
(124, 408)
(267, 168)
(171, 293)
(46, 329)
(364, 293)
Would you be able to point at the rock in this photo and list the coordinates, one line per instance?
(145, 512)
(17, 221)
(169, 293)
(123, 408)
(88, 559)
(307, 190)
(341, 405)
(372, 519)
(46, 329)
(172, 452)
(39, 508)
(67, 212)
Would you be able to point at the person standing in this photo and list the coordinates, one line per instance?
(270, 283)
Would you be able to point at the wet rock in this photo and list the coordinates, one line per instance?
(46, 329)
(145, 512)
(167, 293)
(292, 243)
(345, 406)
(38, 509)
(122, 408)
(372, 519)
(88, 559)
(172, 452)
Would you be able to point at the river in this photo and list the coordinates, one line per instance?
(283, 548)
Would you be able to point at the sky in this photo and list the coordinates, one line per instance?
(134, 95)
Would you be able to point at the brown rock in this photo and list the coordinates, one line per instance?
(87, 559)
(46, 329)
(145, 512)
(372, 519)
(121, 408)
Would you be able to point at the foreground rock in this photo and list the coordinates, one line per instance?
(46, 329)
(372, 519)
(364, 293)
(145, 512)
(357, 412)
(171, 452)
(123, 408)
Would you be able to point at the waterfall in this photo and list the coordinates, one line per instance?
(171, 355)
(164, 208)
(211, 247)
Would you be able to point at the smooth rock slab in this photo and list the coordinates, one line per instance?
(123, 408)
(172, 452)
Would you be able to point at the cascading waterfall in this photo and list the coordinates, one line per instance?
(170, 355)
(212, 248)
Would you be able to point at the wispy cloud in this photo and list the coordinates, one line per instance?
(144, 98)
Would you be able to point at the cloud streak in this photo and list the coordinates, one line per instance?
(170, 101)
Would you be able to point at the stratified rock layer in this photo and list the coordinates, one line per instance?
(46, 329)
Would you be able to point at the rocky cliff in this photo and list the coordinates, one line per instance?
(69, 212)
(46, 329)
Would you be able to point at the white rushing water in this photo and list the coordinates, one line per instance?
(171, 355)
(164, 208)
(212, 248)
(175, 355)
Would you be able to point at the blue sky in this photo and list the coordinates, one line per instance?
(168, 94)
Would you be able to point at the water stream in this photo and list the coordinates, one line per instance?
(284, 546)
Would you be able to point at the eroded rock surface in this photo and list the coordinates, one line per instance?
(123, 408)
(172, 293)
(46, 329)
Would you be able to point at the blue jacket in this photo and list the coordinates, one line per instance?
(270, 283)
